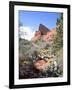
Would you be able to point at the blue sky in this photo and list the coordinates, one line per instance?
(33, 19)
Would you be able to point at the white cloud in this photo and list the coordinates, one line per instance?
(26, 32)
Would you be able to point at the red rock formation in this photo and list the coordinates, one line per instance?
(44, 32)
(43, 29)
(36, 36)
(40, 64)
(50, 35)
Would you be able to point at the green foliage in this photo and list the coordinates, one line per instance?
(47, 46)
(24, 47)
(58, 39)
(25, 60)
(59, 60)
(39, 41)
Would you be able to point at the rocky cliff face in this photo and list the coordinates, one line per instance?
(36, 36)
(44, 32)
(43, 29)
(50, 35)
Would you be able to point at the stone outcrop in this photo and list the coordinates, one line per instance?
(50, 35)
(44, 32)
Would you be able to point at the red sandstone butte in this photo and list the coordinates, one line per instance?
(44, 32)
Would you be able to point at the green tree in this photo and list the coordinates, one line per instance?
(58, 40)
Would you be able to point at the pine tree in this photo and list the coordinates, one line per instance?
(58, 40)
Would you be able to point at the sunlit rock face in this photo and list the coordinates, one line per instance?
(36, 36)
(50, 35)
(44, 33)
